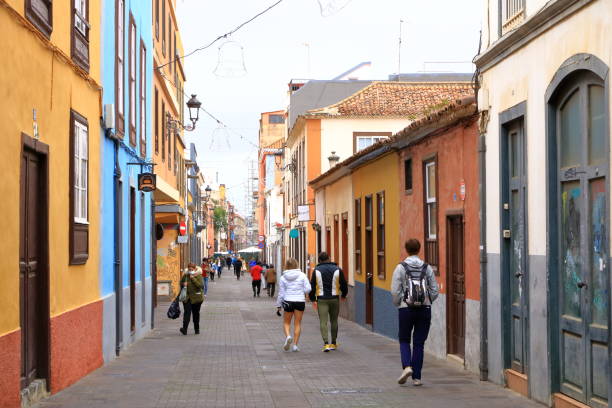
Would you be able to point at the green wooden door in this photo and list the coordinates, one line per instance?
(583, 241)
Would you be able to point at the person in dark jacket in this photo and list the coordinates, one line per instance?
(193, 281)
(328, 287)
(237, 268)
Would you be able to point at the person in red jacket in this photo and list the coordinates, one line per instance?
(205, 273)
(256, 276)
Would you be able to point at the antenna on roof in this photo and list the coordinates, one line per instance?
(399, 46)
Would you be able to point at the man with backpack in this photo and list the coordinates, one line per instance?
(328, 285)
(414, 289)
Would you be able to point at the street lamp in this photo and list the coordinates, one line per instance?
(194, 114)
(207, 192)
(333, 159)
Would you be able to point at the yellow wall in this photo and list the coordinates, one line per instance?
(339, 200)
(372, 178)
(35, 79)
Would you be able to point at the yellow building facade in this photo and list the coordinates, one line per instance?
(50, 97)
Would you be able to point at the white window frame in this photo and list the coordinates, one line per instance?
(430, 201)
(121, 59)
(81, 153)
(132, 75)
(373, 139)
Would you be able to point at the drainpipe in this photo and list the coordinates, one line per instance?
(118, 247)
(153, 261)
(482, 188)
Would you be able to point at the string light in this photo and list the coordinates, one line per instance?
(204, 47)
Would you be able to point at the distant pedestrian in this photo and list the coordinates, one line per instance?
(219, 268)
(414, 289)
(237, 268)
(228, 263)
(256, 278)
(264, 268)
(193, 281)
(270, 277)
(292, 290)
(243, 268)
(205, 274)
(328, 287)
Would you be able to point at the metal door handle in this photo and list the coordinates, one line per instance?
(518, 274)
(369, 275)
(582, 285)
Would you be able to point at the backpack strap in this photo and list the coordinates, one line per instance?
(424, 271)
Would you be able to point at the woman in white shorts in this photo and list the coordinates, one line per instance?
(292, 290)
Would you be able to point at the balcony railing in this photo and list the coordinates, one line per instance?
(513, 14)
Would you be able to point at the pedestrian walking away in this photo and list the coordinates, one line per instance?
(264, 268)
(270, 277)
(413, 289)
(256, 278)
(193, 282)
(237, 268)
(328, 287)
(219, 268)
(292, 290)
(228, 263)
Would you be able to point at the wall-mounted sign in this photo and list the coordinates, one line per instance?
(182, 239)
(462, 190)
(147, 182)
(261, 238)
(182, 228)
(303, 213)
(294, 233)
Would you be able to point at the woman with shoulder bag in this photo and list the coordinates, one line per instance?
(193, 282)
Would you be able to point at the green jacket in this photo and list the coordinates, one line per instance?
(195, 283)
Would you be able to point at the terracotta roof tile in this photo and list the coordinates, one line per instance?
(408, 99)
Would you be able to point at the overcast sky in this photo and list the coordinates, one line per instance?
(294, 40)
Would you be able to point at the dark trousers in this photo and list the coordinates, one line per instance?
(189, 309)
(256, 285)
(237, 272)
(413, 323)
(271, 286)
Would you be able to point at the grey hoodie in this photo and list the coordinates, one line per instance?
(399, 281)
(293, 287)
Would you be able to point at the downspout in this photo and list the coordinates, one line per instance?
(153, 261)
(482, 188)
(118, 245)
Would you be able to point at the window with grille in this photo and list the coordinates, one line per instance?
(513, 13)
(79, 183)
(357, 237)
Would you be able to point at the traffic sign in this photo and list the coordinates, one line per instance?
(182, 228)
(261, 238)
(260, 245)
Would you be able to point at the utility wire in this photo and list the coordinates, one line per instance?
(219, 122)
(202, 48)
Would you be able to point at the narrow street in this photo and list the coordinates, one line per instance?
(237, 361)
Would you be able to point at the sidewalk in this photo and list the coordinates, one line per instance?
(237, 361)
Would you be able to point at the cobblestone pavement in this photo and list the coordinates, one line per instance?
(237, 361)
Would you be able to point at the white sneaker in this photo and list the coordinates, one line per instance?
(405, 374)
(288, 342)
(295, 348)
(417, 383)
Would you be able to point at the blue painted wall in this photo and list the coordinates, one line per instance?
(141, 12)
(384, 312)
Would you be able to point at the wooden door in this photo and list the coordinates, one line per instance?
(33, 277)
(515, 277)
(132, 259)
(583, 225)
(336, 240)
(345, 241)
(328, 240)
(455, 322)
(369, 263)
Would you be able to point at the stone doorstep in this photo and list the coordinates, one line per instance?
(34, 393)
(563, 401)
(517, 382)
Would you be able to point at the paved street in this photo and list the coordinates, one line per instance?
(237, 361)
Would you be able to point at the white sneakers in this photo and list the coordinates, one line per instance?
(288, 342)
(295, 348)
(417, 383)
(405, 374)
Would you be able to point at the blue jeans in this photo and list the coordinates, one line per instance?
(413, 323)
(205, 285)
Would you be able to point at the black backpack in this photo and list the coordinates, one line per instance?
(415, 290)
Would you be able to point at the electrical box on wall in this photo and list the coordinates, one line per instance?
(109, 120)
